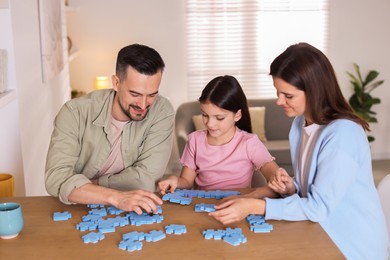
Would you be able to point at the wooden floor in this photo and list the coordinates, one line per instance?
(380, 169)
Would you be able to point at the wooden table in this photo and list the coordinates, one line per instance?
(44, 238)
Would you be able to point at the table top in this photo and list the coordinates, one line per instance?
(44, 238)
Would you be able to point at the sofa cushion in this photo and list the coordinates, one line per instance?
(257, 120)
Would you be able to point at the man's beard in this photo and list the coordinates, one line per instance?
(138, 117)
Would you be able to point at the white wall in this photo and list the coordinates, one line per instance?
(29, 117)
(99, 28)
(357, 33)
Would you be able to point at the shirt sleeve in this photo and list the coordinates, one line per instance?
(257, 152)
(64, 148)
(188, 157)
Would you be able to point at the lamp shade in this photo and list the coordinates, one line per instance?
(102, 82)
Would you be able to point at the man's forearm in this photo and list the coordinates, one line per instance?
(92, 194)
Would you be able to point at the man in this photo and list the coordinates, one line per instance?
(111, 146)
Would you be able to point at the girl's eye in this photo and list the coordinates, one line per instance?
(220, 118)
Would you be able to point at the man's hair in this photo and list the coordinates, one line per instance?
(142, 58)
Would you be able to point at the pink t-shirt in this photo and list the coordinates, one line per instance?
(226, 166)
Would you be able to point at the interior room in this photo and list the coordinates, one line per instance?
(96, 29)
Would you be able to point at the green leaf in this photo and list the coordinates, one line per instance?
(370, 77)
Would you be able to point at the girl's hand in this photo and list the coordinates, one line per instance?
(169, 184)
(237, 209)
(282, 183)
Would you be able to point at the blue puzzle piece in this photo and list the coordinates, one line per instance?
(176, 198)
(100, 212)
(255, 219)
(155, 235)
(91, 218)
(235, 239)
(93, 237)
(144, 218)
(83, 226)
(114, 211)
(59, 216)
(203, 207)
(261, 228)
(175, 229)
(95, 206)
(215, 234)
(130, 245)
(134, 236)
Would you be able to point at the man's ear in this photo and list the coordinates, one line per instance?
(115, 82)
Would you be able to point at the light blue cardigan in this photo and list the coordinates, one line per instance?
(341, 192)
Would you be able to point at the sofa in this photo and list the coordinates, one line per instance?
(274, 124)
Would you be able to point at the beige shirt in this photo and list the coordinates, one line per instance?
(80, 145)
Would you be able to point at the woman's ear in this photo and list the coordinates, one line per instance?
(237, 115)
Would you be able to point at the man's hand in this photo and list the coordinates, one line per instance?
(137, 200)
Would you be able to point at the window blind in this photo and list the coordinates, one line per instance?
(242, 37)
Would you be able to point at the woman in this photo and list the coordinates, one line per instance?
(333, 182)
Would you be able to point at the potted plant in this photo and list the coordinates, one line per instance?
(361, 101)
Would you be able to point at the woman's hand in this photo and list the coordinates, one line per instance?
(236, 209)
(282, 183)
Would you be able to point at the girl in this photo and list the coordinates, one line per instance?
(226, 153)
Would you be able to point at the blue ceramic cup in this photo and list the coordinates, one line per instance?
(11, 220)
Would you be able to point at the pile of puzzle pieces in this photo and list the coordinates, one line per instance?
(258, 225)
(99, 221)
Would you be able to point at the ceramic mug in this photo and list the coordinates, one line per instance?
(11, 219)
(6, 185)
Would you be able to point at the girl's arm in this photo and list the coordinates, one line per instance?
(185, 181)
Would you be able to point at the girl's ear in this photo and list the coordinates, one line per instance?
(237, 115)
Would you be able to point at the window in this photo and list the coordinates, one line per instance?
(242, 37)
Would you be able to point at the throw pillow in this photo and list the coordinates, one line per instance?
(257, 120)
(198, 122)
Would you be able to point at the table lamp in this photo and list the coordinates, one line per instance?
(102, 82)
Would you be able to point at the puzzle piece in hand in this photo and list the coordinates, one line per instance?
(261, 228)
(130, 245)
(155, 235)
(203, 207)
(175, 229)
(176, 198)
(58, 216)
(93, 237)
